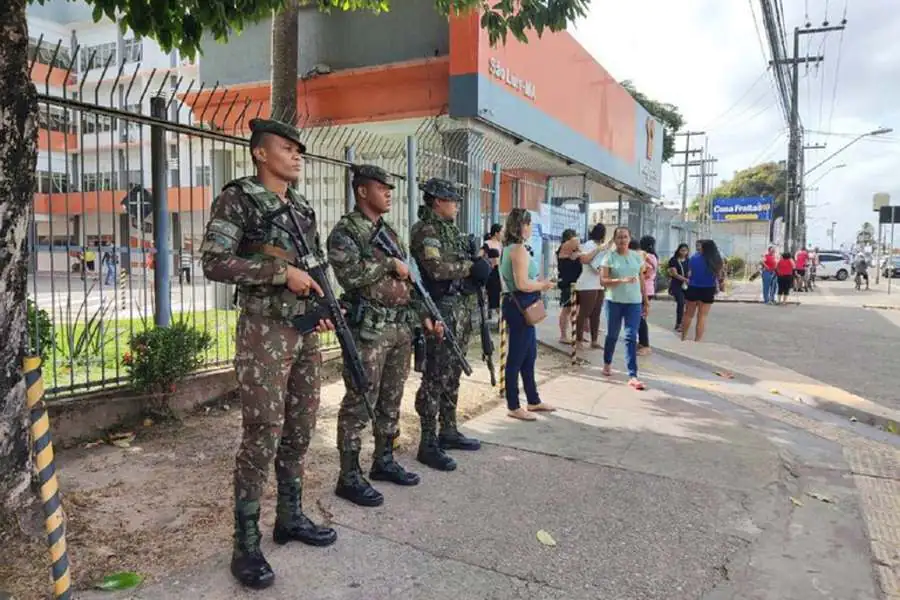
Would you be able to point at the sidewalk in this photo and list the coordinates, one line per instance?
(684, 491)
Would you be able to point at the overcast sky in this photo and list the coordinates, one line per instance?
(705, 56)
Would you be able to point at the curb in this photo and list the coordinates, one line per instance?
(881, 422)
(882, 306)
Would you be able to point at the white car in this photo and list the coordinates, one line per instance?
(833, 265)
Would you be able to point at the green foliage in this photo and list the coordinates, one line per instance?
(735, 266)
(160, 357)
(766, 179)
(667, 113)
(84, 341)
(40, 332)
(182, 24)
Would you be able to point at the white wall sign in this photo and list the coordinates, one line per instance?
(500, 72)
(879, 200)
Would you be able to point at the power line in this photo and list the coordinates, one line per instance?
(739, 100)
(837, 70)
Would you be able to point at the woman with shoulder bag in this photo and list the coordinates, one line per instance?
(523, 308)
(678, 281)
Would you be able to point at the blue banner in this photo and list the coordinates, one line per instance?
(756, 208)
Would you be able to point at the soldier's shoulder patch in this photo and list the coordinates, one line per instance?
(431, 253)
(432, 242)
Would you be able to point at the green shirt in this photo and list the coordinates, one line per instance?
(621, 267)
(506, 269)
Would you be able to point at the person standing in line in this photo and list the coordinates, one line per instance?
(491, 250)
(442, 255)
(706, 276)
(381, 312)
(588, 287)
(801, 263)
(519, 271)
(278, 370)
(569, 267)
(678, 281)
(648, 273)
(626, 302)
(769, 278)
(785, 271)
(187, 263)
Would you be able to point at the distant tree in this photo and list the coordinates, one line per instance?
(766, 179)
(667, 113)
(866, 234)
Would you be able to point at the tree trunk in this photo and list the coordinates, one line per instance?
(285, 50)
(18, 157)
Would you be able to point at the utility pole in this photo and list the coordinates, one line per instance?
(687, 163)
(795, 145)
(706, 166)
(801, 208)
(833, 225)
(687, 152)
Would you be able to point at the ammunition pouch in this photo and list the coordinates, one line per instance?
(370, 320)
(285, 305)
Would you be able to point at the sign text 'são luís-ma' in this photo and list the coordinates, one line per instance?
(509, 78)
(756, 208)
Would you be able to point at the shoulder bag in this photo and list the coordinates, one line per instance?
(534, 313)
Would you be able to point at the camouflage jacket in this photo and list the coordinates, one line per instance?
(362, 269)
(439, 248)
(241, 248)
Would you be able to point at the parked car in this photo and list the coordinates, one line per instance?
(890, 269)
(833, 265)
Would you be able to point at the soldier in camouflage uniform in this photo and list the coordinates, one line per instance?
(278, 370)
(381, 312)
(442, 255)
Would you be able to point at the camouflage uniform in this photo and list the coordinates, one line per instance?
(380, 311)
(442, 255)
(278, 370)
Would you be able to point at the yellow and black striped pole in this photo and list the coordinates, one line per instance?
(574, 322)
(503, 341)
(123, 285)
(42, 448)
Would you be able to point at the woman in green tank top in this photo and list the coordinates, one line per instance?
(519, 273)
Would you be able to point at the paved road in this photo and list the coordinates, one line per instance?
(849, 347)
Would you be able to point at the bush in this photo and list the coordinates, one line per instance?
(162, 356)
(39, 323)
(736, 266)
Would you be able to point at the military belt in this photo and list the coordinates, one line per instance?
(270, 250)
(277, 306)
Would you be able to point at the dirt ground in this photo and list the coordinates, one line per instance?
(162, 501)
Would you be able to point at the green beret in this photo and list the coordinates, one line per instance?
(283, 130)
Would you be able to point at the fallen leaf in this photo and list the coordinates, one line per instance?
(545, 538)
(122, 440)
(121, 443)
(892, 427)
(225, 407)
(819, 497)
(725, 374)
(94, 443)
(148, 422)
(120, 581)
(774, 391)
(122, 436)
(796, 502)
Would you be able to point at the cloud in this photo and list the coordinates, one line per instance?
(706, 58)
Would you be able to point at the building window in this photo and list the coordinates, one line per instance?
(56, 119)
(44, 54)
(96, 123)
(96, 182)
(98, 56)
(174, 178)
(52, 183)
(203, 175)
(133, 51)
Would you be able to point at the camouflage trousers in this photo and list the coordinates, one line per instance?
(387, 363)
(278, 373)
(439, 391)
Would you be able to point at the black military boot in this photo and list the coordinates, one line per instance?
(385, 468)
(352, 485)
(290, 522)
(248, 565)
(431, 453)
(450, 437)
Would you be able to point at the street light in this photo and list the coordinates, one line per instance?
(880, 131)
(822, 176)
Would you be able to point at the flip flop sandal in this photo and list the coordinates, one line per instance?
(521, 416)
(637, 385)
(541, 407)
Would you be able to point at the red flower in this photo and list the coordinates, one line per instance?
(127, 358)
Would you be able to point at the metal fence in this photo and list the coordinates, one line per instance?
(110, 254)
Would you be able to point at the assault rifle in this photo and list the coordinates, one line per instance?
(487, 344)
(328, 305)
(383, 240)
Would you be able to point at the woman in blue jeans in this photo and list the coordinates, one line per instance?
(519, 272)
(626, 302)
